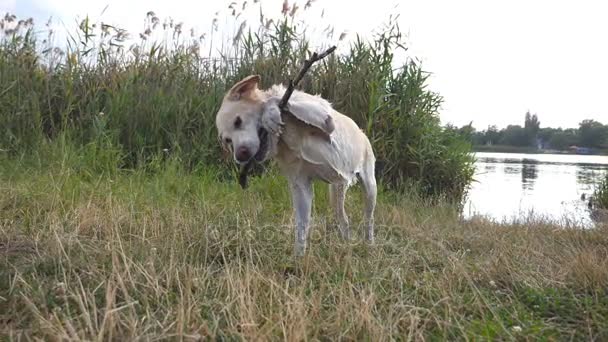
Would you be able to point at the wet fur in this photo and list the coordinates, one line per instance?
(312, 141)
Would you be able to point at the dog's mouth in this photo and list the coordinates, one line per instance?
(262, 152)
(259, 157)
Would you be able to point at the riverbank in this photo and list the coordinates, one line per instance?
(529, 150)
(172, 254)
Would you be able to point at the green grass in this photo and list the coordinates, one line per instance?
(600, 195)
(174, 254)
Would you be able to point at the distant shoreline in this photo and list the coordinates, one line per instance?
(531, 150)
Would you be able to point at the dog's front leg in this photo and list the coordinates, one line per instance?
(301, 197)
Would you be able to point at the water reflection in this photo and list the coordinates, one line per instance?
(516, 169)
(511, 186)
(528, 175)
(588, 174)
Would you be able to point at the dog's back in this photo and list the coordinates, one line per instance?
(346, 150)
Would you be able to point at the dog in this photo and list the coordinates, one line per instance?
(310, 141)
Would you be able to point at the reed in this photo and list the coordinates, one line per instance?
(135, 98)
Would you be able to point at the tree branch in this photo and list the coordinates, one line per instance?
(293, 83)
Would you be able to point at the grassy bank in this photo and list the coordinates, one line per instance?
(166, 253)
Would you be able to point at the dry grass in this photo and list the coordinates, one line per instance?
(184, 256)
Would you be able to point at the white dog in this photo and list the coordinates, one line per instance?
(312, 141)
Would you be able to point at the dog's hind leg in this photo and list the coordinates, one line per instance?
(301, 197)
(370, 189)
(339, 196)
(331, 196)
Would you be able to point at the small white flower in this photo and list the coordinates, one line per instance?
(165, 150)
(492, 283)
(101, 114)
(516, 328)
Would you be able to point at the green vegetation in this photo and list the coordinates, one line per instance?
(163, 96)
(119, 220)
(600, 195)
(590, 134)
(177, 254)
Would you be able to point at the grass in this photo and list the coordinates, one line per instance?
(600, 195)
(180, 255)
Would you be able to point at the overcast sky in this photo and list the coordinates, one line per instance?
(491, 60)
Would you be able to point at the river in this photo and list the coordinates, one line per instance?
(513, 187)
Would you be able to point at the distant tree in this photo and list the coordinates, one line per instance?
(531, 127)
(492, 135)
(562, 139)
(478, 138)
(546, 133)
(592, 134)
(468, 132)
(514, 135)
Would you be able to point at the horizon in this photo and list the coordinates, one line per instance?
(491, 62)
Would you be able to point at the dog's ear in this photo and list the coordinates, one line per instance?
(244, 88)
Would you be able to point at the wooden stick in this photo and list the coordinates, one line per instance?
(283, 104)
(307, 64)
(244, 173)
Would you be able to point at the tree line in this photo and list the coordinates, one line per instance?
(589, 133)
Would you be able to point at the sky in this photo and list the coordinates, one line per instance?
(491, 60)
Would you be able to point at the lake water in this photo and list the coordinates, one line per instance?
(516, 187)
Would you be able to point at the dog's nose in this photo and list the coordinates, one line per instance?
(243, 154)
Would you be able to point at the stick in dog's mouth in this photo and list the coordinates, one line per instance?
(260, 156)
(262, 153)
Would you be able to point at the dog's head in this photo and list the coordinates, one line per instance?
(238, 121)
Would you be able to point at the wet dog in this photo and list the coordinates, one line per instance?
(310, 141)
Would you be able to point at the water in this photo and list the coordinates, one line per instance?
(516, 187)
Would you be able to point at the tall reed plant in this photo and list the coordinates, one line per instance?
(155, 95)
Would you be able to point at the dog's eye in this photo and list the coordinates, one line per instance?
(228, 141)
(238, 122)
